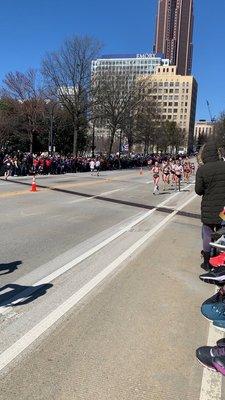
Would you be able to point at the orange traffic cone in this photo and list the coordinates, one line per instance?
(33, 186)
(141, 171)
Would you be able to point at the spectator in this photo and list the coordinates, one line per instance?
(210, 184)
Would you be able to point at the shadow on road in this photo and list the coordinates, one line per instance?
(163, 193)
(13, 295)
(9, 267)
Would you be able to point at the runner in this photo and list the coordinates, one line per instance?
(156, 172)
(166, 175)
(193, 168)
(187, 170)
(178, 174)
(97, 166)
(172, 171)
(92, 166)
(7, 167)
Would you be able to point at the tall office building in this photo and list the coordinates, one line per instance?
(174, 33)
(175, 98)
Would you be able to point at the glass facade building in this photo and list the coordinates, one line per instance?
(131, 65)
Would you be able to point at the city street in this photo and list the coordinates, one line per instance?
(100, 296)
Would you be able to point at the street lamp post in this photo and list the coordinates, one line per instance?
(120, 145)
(93, 140)
(51, 127)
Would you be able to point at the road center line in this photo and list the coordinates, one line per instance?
(31, 336)
(5, 309)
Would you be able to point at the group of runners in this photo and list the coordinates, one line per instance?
(171, 172)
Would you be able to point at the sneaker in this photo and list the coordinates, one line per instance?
(213, 308)
(219, 244)
(220, 323)
(215, 276)
(218, 261)
(221, 342)
(212, 358)
(216, 235)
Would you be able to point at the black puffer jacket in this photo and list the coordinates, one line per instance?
(210, 184)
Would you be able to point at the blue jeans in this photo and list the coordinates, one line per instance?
(207, 231)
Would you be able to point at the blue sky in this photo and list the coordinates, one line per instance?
(29, 28)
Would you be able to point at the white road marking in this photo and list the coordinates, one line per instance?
(93, 197)
(60, 271)
(211, 388)
(26, 340)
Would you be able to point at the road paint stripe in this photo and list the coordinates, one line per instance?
(77, 184)
(17, 193)
(31, 336)
(211, 387)
(93, 197)
(5, 309)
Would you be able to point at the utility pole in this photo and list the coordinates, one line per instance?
(51, 144)
(93, 140)
(120, 145)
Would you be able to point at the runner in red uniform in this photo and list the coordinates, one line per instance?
(187, 170)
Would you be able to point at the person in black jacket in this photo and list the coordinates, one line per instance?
(210, 184)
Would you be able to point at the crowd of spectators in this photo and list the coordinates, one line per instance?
(22, 164)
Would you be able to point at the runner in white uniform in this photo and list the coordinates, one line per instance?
(92, 166)
(97, 166)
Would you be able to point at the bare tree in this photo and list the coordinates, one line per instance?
(25, 90)
(67, 74)
(8, 120)
(147, 120)
(219, 130)
(117, 97)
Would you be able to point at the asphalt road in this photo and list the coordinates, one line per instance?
(100, 293)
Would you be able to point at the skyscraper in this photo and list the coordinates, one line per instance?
(174, 33)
